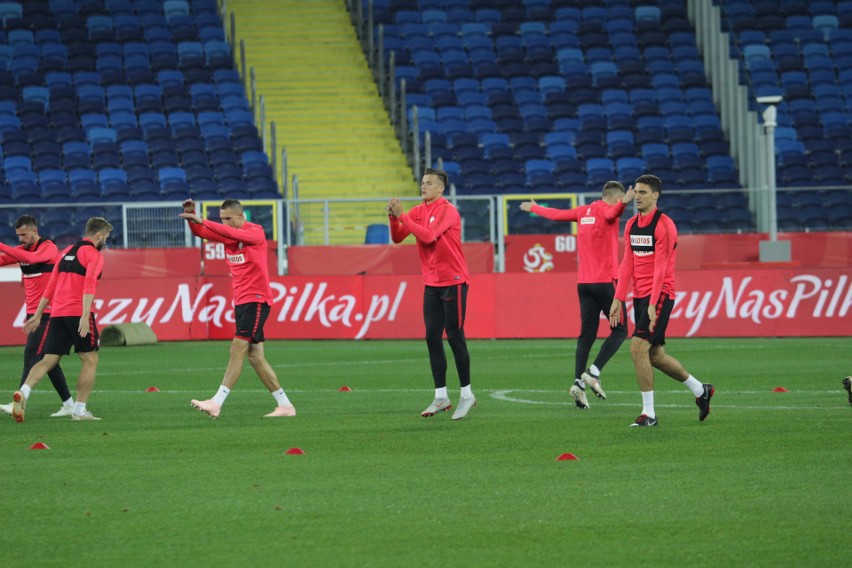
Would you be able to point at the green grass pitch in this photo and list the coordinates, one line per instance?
(765, 481)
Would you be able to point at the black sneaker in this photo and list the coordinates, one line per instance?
(644, 420)
(847, 384)
(703, 401)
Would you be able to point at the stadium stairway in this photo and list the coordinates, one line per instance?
(318, 89)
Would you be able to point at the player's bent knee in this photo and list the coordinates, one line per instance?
(87, 359)
(256, 357)
(639, 347)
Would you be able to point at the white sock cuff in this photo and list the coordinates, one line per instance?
(694, 385)
(281, 398)
(221, 395)
(648, 404)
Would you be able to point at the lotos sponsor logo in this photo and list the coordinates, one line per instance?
(236, 258)
(641, 240)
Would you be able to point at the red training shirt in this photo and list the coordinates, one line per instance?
(437, 228)
(66, 289)
(41, 258)
(653, 273)
(597, 238)
(245, 252)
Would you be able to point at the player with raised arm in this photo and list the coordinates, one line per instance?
(37, 257)
(436, 226)
(597, 256)
(245, 251)
(70, 294)
(650, 243)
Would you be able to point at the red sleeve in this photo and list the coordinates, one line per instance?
(557, 214)
(203, 232)
(51, 284)
(613, 212)
(664, 246)
(46, 252)
(94, 262)
(625, 271)
(447, 217)
(398, 230)
(249, 233)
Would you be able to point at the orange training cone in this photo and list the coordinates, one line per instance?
(294, 452)
(565, 457)
(152, 389)
(344, 388)
(780, 389)
(39, 446)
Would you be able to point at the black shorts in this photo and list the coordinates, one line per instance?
(35, 340)
(640, 315)
(250, 319)
(62, 334)
(444, 308)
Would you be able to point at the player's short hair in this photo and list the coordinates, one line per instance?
(655, 183)
(26, 221)
(232, 204)
(440, 173)
(97, 224)
(612, 188)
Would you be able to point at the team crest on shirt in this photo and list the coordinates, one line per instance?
(432, 218)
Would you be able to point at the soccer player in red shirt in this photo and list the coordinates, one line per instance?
(597, 254)
(436, 226)
(70, 294)
(37, 256)
(245, 251)
(650, 243)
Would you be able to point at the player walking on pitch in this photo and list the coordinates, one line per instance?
(436, 225)
(245, 251)
(597, 256)
(70, 293)
(37, 256)
(650, 243)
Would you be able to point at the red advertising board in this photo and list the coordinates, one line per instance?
(376, 259)
(710, 303)
(541, 253)
(545, 253)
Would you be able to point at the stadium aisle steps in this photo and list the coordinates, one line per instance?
(320, 93)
